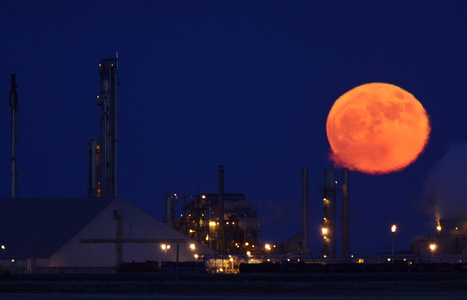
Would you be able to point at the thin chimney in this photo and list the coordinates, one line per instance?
(306, 250)
(222, 245)
(14, 108)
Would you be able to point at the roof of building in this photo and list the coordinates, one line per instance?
(38, 227)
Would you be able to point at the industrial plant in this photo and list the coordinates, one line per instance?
(218, 232)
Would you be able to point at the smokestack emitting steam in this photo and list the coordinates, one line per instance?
(14, 108)
(446, 190)
(305, 210)
(345, 213)
(221, 237)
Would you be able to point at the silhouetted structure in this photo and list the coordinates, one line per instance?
(241, 223)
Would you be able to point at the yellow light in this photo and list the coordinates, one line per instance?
(3, 247)
(351, 256)
(207, 237)
(252, 246)
(325, 256)
(393, 228)
(457, 228)
(221, 270)
(324, 230)
(196, 256)
(12, 260)
(389, 259)
(231, 259)
(267, 247)
(433, 247)
(192, 246)
(438, 228)
(164, 246)
(203, 196)
(212, 223)
(246, 244)
(191, 231)
(288, 259)
(168, 247)
(248, 253)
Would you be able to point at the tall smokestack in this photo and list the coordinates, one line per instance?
(221, 238)
(168, 209)
(329, 205)
(306, 250)
(14, 109)
(345, 213)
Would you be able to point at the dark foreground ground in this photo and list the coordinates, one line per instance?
(449, 285)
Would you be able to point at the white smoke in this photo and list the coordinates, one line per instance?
(446, 186)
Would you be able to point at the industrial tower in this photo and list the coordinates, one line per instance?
(103, 171)
(328, 230)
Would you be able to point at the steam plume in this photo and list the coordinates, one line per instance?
(446, 188)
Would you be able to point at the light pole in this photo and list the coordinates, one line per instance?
(393, 231)
(432, 248)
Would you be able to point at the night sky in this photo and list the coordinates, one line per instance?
(244, 84)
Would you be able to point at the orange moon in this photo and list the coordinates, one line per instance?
(377, 128)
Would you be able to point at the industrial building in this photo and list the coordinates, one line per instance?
(201, 222)
(448, 244)
(225, 222)
(85, 234)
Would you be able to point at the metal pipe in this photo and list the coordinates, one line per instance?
(345, 214)
(305, 211)
(14, 109)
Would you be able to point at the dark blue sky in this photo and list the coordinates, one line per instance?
(245, 84)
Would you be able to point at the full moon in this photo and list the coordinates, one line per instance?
(377, 128)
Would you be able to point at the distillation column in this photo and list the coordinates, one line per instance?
(329, 206)
(108, 115)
